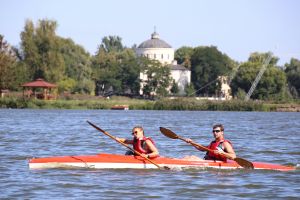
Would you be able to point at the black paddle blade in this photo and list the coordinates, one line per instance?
(244, 163)
(168, 133)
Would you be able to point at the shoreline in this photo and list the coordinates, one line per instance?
(181, 103)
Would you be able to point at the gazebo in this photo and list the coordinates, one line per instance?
(39, 89)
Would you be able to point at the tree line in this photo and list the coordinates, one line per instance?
(115, 69)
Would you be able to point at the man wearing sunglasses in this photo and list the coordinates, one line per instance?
(143, 145)
(222, 148)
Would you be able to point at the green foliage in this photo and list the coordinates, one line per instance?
(105, 69)
(174, 88)
(162, 104)
(190, 90)
(193, 104)
(85, 86)
(46, 55)
(129, 74)
(67, 84)
(240, 94)
(292, 71)
(115, 68)
(11, 102)
(116, 71)
(208, 63)
(257, 57)
(158, 79)
(111, 43)
(183, 56)
(272, 84)
(8, 66)
(77, 60)
(41, 53)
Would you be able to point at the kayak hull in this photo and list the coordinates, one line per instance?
(114, 161)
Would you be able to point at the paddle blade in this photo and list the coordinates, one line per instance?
(244, 163)
(168, 133)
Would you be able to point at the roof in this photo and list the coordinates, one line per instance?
(39, 83)
(178, 67)
(154, 42)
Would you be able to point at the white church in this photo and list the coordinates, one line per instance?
(159, 50)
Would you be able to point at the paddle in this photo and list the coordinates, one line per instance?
(114, 138)
(242, 162)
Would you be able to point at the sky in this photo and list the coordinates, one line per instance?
(236, 27)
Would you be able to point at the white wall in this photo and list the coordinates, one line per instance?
(163, 55)
(182, 78)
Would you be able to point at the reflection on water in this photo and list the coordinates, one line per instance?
(257, 136)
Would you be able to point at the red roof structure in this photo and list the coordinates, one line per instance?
(39, 83)
(43, 93)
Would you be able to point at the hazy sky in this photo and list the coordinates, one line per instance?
(237, 28)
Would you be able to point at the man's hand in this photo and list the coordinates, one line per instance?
(188, 140)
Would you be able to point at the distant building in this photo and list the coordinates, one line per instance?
(225, 88)
(159, 50)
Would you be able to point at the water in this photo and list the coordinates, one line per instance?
(257, 136)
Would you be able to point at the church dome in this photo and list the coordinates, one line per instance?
(154, 42)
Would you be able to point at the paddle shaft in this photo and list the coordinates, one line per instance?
(203, 147)
(114, 138)
(197, 145)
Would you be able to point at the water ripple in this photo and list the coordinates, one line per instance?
(257, 136)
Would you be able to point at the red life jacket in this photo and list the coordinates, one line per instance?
(140, 145)
(213, 145)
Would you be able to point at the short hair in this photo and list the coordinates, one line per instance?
(139, 127)
(219, 126)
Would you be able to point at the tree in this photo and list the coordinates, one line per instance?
(292, 71)
(29, 50)
(8, 64)
(67, 85)
(257, 57)
(207, 64)
(115, 70)
(183, 56)
(272, 84)
(41, 51)
(105, 71)
(55, 59)
(111, 43)
(190, 90)
(130, 71)
(158, 79)
(174, 89)
(77, 67)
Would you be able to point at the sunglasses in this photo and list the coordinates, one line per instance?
(216, 131)
(135, 132)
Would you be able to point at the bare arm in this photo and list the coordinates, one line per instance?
(153, 149)
(229, 151)
(190, 141)
(124, 140)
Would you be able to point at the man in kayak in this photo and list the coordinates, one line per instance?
(222, 148)
(143, 145)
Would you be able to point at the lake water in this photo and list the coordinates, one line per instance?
(257, 136)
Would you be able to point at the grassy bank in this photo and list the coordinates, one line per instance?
(138, 104)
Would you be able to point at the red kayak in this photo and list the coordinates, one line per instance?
(114, 161)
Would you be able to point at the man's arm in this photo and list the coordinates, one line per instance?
(229, 152)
